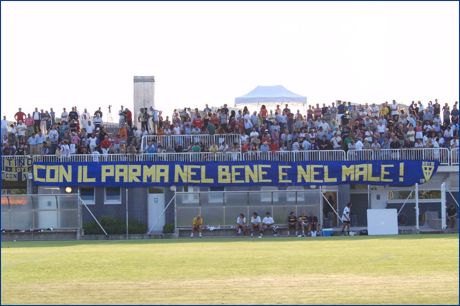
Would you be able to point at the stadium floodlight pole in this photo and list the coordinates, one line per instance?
(443, 206)
(417, 212)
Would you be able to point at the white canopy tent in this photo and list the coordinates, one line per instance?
(270, 95)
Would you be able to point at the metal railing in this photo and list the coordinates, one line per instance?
(171, 141)
(440, 154)
(293, 156)
(222, 207)
(444, 155)
(157, 157)
(454, 156)
(40, 211)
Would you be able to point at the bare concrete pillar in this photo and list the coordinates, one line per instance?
(144, 92)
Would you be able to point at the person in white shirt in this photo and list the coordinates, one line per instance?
(4, 126)
(394, 110)
(346, 219)
(269, 223)
(64, 115)
(256, 224)
(241, 227)
(359, 145)
(21, 129)
(92, 143)
(454, 142)
(65, 149)
(337, 141)
(96, 154)
(85, 118)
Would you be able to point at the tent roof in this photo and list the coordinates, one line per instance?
(270, 94)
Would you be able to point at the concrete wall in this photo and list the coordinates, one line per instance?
(144, 93)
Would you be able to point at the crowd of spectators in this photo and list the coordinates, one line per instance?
(341, 125)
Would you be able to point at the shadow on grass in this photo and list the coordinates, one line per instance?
(41, 244)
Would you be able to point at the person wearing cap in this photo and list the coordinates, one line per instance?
(197, 223)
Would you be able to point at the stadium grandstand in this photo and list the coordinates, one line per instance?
(330, 133)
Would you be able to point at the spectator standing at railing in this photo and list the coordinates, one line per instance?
(454, 142)
(93, 142)
(105, 145)
(151, 148)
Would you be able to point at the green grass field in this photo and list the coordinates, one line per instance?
(411, 269)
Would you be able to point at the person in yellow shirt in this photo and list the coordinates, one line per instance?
(197, 223)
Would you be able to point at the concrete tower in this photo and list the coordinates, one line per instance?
(144, 92)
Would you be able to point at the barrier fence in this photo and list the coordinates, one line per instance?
(40, 211)
(440, 154)
(443, 155)
(171, 141)
(454, 156)
(220, 208)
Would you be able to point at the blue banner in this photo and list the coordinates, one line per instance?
(258, 173)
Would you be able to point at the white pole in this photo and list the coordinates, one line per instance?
(417, 212)
(321, 220)
(443, 206)
(79, 216)
(126, 208)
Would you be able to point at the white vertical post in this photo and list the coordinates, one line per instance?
(443, 206)
(126, 208)
(79, 216)
(321, 221)
(417, 212)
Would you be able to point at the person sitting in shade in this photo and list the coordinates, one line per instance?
(303, 224)
(197, 224)
(241, 227)
(269, 223)
(292, 223)
(256, 224)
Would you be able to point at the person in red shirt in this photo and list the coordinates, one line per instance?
(20, 116)
(263, 113)
(129, 117)
(274, 146)
(106, 144)
(198, 122)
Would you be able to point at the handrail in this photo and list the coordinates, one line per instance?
(443, 155)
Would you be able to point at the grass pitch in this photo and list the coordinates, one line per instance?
(415, 269)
